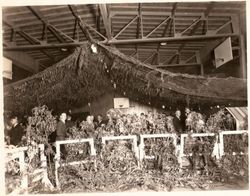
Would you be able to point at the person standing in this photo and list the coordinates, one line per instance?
(177, 122)
(186, 120)
(178, 125)
(16, 132)
(100, 122)
(69, 123)
(61, 133)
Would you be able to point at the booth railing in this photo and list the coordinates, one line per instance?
(19, 153)
(147, 136)
(58, 154)
(39, 173)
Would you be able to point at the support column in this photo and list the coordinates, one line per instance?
(243, 64)
(242, 43)
(240, 27)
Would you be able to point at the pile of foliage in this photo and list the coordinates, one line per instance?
(115, 167)
(40, 125)
(220, 121)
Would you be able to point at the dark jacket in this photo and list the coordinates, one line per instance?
(16, 134)
(177, 125)
(60, 131)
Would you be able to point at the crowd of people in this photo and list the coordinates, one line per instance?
(113, 124)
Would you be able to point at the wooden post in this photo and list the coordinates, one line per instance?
(24, 173)
(57, 164)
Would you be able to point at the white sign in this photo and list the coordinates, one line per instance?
(223, 53)
(122, 102)
(7, 68)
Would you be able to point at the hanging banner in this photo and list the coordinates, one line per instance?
(7, 68)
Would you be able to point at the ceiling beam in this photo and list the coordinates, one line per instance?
(190, 26)
(139, 29)
(170, 23)
(126, 41)
(190, 58)
(198, 23)
(149, 57)
(32, 40)
(178, 65)
(125, 27)
(158, 26)
(56, 32)
(221, 27)
(170, 59)
(74, 11)
(163, 13)
(106, 20)
(76, 31)
(168, 39)
(149, 50)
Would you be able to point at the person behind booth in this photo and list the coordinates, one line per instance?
(185, 120)
(178, 124)
(100, 122)
(16, 132)
(61, 133)
(69, 123)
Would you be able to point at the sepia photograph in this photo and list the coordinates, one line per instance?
(119, 97)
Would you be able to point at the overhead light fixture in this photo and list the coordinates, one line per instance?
(94, 48)
(163, 43)
(64, 49)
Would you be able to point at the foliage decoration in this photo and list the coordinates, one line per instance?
(85, 75)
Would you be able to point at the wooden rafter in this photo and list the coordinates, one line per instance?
(164, 13)
(198, 23)
(190, 26)
(158, 26)
(170, 23)
(74, 11)
(55, 31)
(139, 29)
(190, 58)
(168, 60)
(173, 17)
(222, 26)
(45, 32)
(149, 57)
(128, 41)
(106, 20)
(141, 21)
(76, 31)
(179, 65)
(125, 27)
(32, 40)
